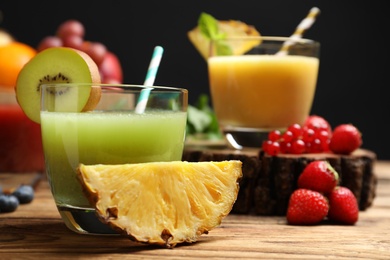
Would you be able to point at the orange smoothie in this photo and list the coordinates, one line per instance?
(262, 92)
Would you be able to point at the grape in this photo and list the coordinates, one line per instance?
(73, 41)
(49, 41)
(70, 27)
(95, 50)
(24, 193)
(70, 33)
(8, 203)
(111, 69)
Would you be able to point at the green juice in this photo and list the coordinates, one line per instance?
(103, 138)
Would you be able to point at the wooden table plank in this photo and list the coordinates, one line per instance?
(35, 231)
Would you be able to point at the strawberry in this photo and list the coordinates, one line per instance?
(317, 123)
(306, 207)
(318, 176)
(346, 138)
(343, 206)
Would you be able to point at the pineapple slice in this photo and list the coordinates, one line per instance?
(163, 203)
(222, 30)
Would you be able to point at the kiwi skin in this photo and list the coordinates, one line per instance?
(56, 65)
(95, 95)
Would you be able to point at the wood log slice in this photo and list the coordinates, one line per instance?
(268, 181)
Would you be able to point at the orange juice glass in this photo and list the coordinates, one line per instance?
(263, 89)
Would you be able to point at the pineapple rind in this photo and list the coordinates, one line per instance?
(163, 203)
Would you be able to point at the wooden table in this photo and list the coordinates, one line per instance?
(35, 231)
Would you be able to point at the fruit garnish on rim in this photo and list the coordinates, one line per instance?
(57, 65)
(162, 203)
(209, 29)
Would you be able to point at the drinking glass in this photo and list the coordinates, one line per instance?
(20, 138)
(112, 133)
(260, 84)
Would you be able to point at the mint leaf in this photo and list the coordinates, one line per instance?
(208, 26)
(198, 119)
(203, 104)
(201, 119)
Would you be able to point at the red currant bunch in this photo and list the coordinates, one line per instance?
(297, 139)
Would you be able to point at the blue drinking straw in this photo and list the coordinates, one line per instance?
(149, 80)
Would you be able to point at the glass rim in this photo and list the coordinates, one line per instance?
(114, 85)
(270, 38)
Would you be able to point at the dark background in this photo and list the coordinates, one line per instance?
(354, 52)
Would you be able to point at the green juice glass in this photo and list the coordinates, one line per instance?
(116, 131)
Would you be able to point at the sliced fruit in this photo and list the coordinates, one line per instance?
(13, 57)
(228, 28)
(57, 65)
(163, 203)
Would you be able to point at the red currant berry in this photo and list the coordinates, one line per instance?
(265, 145)
(298, 147)
(287, 136)
(296, 130)
(308, 135)
(323, 135)
(325, 145)
(285, 147)
(273, 148)
(316, 146)
(274, 135)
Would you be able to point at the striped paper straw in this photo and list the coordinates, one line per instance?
(302, 27)
(149, 80)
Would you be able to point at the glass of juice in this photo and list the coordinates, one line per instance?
(268, 84)
(20, 138)
(116, 131)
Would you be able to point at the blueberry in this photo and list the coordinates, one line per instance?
(24, 193)
(8, 203)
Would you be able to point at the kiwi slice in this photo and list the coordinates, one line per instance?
(58, 65)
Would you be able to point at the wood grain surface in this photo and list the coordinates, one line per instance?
(36, 231)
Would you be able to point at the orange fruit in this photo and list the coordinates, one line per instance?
(13, 57)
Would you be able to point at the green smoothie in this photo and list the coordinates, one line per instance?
(105, 138)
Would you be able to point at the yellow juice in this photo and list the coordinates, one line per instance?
(262, 92)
